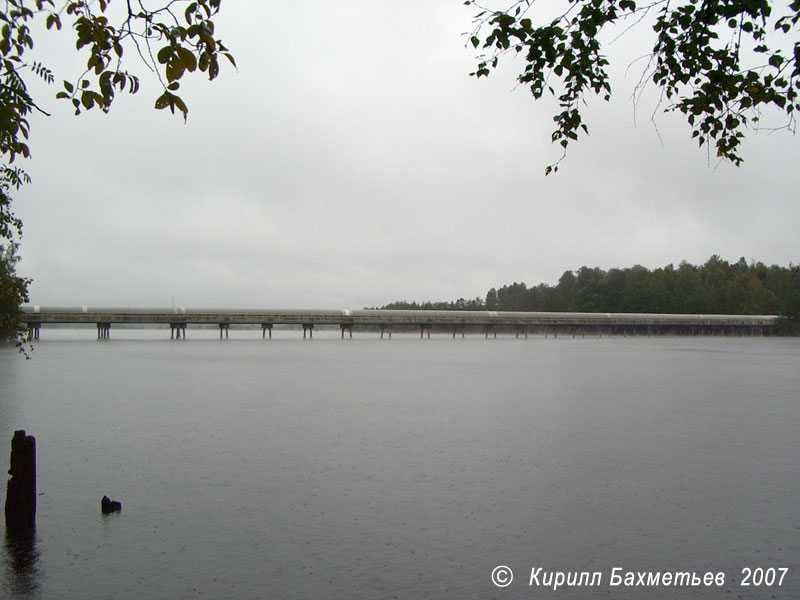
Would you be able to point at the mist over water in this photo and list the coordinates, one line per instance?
(371, 468)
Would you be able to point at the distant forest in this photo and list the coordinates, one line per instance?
(716, 287)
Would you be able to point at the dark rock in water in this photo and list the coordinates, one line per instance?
(110, 506)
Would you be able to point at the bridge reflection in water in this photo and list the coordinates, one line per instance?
(455, 322)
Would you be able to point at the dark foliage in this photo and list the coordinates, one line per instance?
(718, 62)
(716, 287)
(13, 293)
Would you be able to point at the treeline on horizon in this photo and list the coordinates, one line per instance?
(716, 287)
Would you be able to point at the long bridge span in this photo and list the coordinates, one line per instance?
(457, 322)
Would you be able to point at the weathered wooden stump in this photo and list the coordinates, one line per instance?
(21, 488)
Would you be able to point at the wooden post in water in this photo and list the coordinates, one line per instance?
(21, 488)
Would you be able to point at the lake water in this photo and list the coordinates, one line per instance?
(403, 468)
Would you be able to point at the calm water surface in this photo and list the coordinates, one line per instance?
(405, 468)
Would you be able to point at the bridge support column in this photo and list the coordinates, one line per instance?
(388, 329)
(264, 327)
(103, 331)
(348, 327)
(176, 330)
(423, 329)
(33, 331)
(223, 327)
(308, 328)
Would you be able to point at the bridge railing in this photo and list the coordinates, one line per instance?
(33, 315)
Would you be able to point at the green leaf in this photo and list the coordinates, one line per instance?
(53, 19)
(163, 101)
(187, 58)
(164, 54)
(174, 71)
(87, 99)
(181, 107)
(189, 11)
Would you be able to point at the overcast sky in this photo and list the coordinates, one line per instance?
(351, 161)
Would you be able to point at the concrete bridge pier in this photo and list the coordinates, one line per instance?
(176, 330)
(33, 331)
(308, 328)
(491, 329)
(423, 329)
(103, 331)
(224, 327)
(388, 329)
(348, 327)
(456, 329)
(264, 328)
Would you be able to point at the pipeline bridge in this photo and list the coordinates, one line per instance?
(449, 321)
